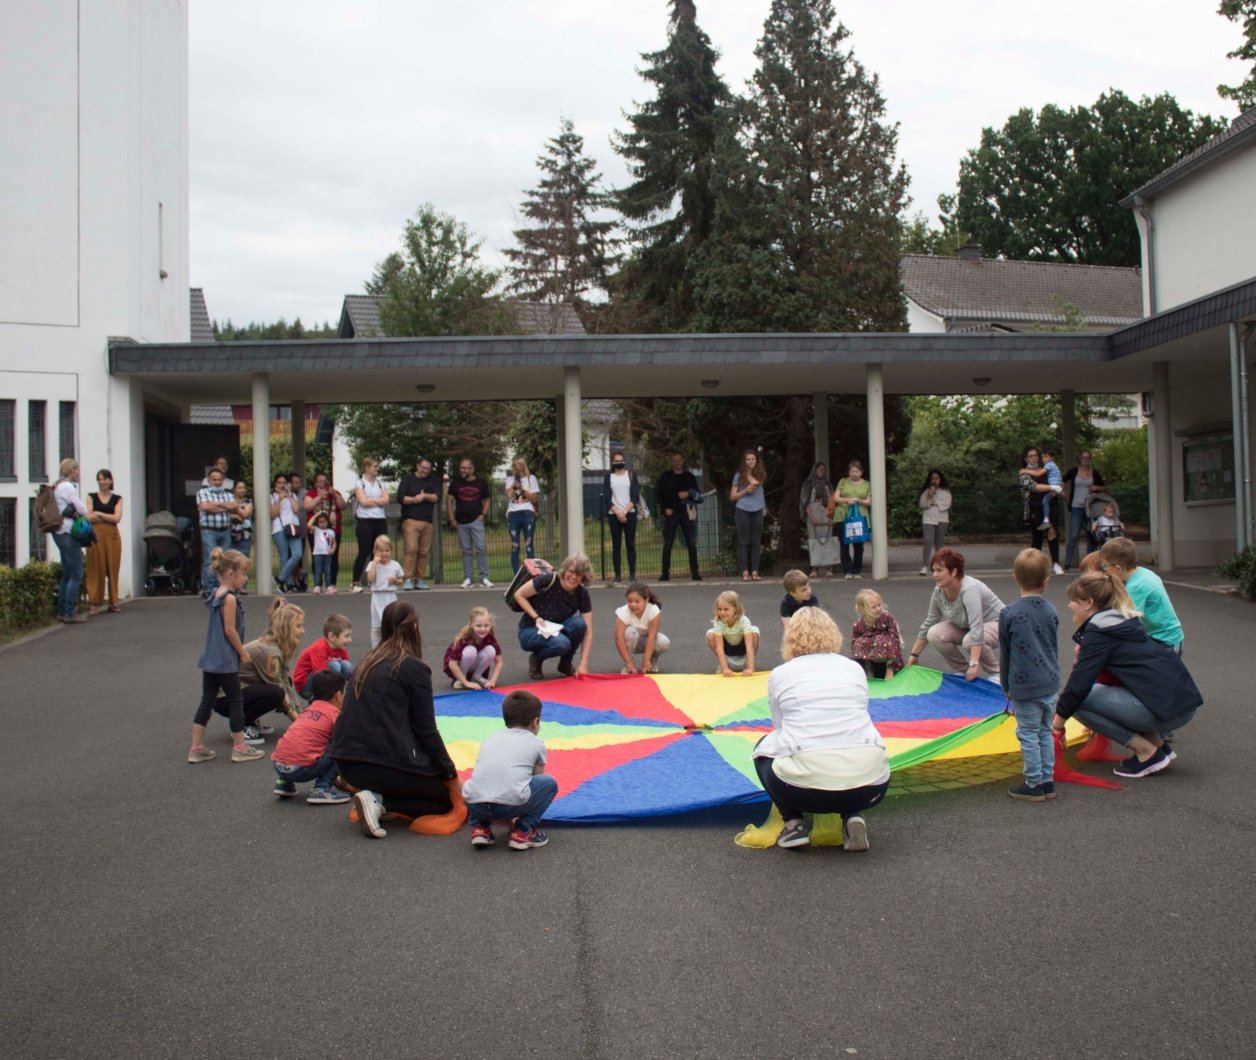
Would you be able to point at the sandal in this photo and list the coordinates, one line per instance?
(745, 576)
(115, 609)
(92, 610)
(755, 577)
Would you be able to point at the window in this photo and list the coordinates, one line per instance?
(39, 540)
(8, 462)
(37, 432)
(8, 534)
(66, 438)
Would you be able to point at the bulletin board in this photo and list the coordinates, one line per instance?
(1208, 468)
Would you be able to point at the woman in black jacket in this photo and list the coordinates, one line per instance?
(1156, 694)
(386, 743)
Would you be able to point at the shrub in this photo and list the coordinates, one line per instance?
(1242, 568)
(28, 596)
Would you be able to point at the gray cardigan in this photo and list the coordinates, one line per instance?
(975, 599)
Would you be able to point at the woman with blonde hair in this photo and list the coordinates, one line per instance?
(823, 754)
(370, 514)
(71, 507)
(561, 599)
(522, 494)
(269, 669)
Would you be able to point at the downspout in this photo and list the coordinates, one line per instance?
(1141, 205)
(1245, 429)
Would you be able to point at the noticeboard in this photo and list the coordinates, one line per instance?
(1208, 469)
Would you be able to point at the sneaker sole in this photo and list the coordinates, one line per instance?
(364, 821)
(285, 794)
(856, 837)
(247, 758)
(526, 846)
(198, 761)
(1029, 798)
(326, 802)
(795, 844)
(480, 843)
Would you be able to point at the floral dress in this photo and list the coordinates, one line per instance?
(878, 642)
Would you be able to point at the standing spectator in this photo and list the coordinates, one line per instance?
(467, 504)
(286, 532)
(321, 497)
(71, 507)
(677, 494)
(370, 503)
(1038, 495)
(305, 541)
(105, 557)
(222, 464)
(935, 513)
(419, 494)
(522, 494)
(242, 519)
(214, 505)
(1082, 481)
(813, 506)
(621, 498)
(853, 496)
(747, 497)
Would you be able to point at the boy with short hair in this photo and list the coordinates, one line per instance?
(508, 782)
(1029, 672)
(301, 753)
(330, 653)
(1120, 556)
(798, 595)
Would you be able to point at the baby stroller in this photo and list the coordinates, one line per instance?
(168, 554)
(1096, 504)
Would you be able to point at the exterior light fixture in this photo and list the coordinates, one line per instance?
(710, 384)
(425, 388)
(981, 380)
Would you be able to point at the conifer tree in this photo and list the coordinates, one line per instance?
(565, 254)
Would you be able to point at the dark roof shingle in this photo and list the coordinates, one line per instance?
(359, 318)
(201, 329)
(1235, 138)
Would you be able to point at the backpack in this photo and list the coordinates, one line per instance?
(47, 514)
(528, 569)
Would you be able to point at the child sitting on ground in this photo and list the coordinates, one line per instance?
(474, 659)
(637, 630)
(508, 782)
(1120, 557)
(330, 653)
(732, 636)
(876, 643)
(798, 595)
(1107, 526)
(383, 575)
(301, 753)
(1029, 672)
(324, 550)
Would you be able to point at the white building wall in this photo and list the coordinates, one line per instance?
(921, 321)
(94, 133)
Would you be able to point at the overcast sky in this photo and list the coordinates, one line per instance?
(318, 126)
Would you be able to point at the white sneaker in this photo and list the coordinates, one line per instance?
(856, 830)
(467, 584)
(1045, 525)
(356, 588)
(486, 583)
(1056, 569)
(924, 571)
(369, 806)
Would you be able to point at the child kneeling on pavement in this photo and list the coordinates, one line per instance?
(301, 753)
(507, 782)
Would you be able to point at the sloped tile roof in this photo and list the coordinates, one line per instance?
(990, 291)
(1240, 134)
(359, 318)
(201, 329)
(216, 415)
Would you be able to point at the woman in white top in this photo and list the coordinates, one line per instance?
(285, 531)
(823, 754)
(522, 493)
(935, 513)
(370, 515)
(1084, 481)
(71, 506)
(637, 630)
(621, 500)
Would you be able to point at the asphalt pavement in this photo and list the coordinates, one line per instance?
(152, 908)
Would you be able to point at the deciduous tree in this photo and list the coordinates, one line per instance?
(1244, 12)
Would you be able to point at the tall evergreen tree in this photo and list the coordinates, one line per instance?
(669, 149)
(565, 254)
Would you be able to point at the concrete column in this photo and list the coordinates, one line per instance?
(263, 565)
(1238, 423)
(560, 477)
(1161, 435)
(1068, 429)
(298, 440)
(572, 464)
(877, 473)
(820, 413)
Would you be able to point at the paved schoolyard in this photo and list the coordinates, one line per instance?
(153, 908)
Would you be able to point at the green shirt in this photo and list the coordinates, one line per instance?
(850, 488)
(1159, 619)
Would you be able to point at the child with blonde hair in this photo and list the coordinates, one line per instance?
(474, 659)
(732, 636)
(876, 643)
(383, 576)
(637, 629)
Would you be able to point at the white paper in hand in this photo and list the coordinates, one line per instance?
(547, 628)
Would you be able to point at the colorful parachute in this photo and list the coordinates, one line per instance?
(623, 748)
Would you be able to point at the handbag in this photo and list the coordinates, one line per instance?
(855, 528)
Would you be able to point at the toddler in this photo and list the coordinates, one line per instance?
(637, 629)
(1029, 672)
(1107, 526)
(798, 595)
(732, 637)
(384, 575)
(222, 656)
(1056, 481)
(508, 781)
(301, 753)
(474, 659)
(324, 550)
(876, 643)
(330, 653)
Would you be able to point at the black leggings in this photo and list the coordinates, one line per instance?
(414, 794)
(793, 802)
(229, 685)
(367, 530)
(258, 700)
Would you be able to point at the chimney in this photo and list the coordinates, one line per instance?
(969, 252)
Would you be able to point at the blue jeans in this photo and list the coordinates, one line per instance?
(210, 540)
(1033, 730)
(561, 645)
(1076, 523)
(471, 539)
(322, 571)
(520, 523)
(71, 574)
(322, 772)
(290, 550)
(544, 788)
(343, 667)
(1120, 715)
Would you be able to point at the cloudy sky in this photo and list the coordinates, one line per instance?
(318, 126)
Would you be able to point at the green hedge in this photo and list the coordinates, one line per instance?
(1242, 568)
(28, 596)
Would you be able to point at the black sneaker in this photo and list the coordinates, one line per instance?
(1048, 789)
(1167, 748)
(251, 735)
(1132, 767)
(1028, 792)
(696, 577)
(665, 577)
(793, 836)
